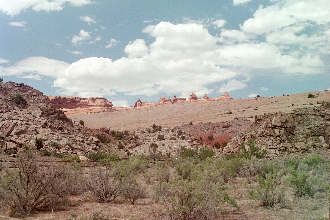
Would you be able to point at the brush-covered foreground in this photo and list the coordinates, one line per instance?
(194, 185)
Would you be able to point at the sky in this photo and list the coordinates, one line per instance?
(128, 49)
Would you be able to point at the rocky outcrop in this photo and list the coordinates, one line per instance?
(26, 115)
(193, 97)
(224, 97)
(304, 130)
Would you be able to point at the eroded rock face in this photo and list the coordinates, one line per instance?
(193, 97)
(70, 102)
(39, 118)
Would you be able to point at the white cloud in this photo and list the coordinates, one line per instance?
(120, 103)
(3, 61)
(138, 48)
(87, 19)
(219, 23)
(15, 7)
(17, 23)
(253, 95)
(111, 43)
(232, 85)
(35, 67)
(82, 36)
(76, 52)
(240, 2)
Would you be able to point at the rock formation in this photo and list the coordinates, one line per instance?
(26, 115)
(73, 105)
(193, 97)
(225, 96)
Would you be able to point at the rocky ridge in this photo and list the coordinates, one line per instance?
(27, 117)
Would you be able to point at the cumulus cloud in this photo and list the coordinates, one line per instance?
(82, 36)
(232, 85)
(3, 61)
(15, 7)
(112, 42)
(138, 48)
(264, 89)
(240, 2)
(36, 67)
(88, 20)
(21, 24)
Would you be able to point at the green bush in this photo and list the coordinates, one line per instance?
(252, 151)
(269, 190)
(301, 183)
(184, 168)
(188, 153)
(71, 158)
(103, 158)
(310, 96)
(205, 153)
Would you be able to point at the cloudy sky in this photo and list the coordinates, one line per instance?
(129, 49)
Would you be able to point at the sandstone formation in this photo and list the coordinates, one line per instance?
(73, 105)
(193, 97)
(26, 115)
(224, 97)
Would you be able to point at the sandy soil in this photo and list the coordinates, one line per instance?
(171, 115)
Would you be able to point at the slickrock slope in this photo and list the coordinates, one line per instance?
(171, 115)
(74, 105)
(27, 114)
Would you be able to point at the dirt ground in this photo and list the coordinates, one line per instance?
(171, 115)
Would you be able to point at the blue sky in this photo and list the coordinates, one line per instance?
(128, 49)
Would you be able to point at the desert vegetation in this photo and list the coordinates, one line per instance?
(194, 185)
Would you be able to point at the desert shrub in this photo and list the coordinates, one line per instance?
(184, 168)
(156, 128)
(162, 173)
(193, 199)
(153, 148)
(302, 184)
(103, 185)
(126, 168)
(70, 158)
(269, 190)
(252, 151)
(120, 146)
(19, 100)
(103, 138)
(38, 143)
(229, 167)
(32, 187)
(82, 123)
(119, 135)
(205, 153)
(103, 158)
(187, 152)
(131, 190)
(310, 95)
(45, 153)
(214, 140)
(160, 137)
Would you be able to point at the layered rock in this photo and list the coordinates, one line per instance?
(76, 105)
